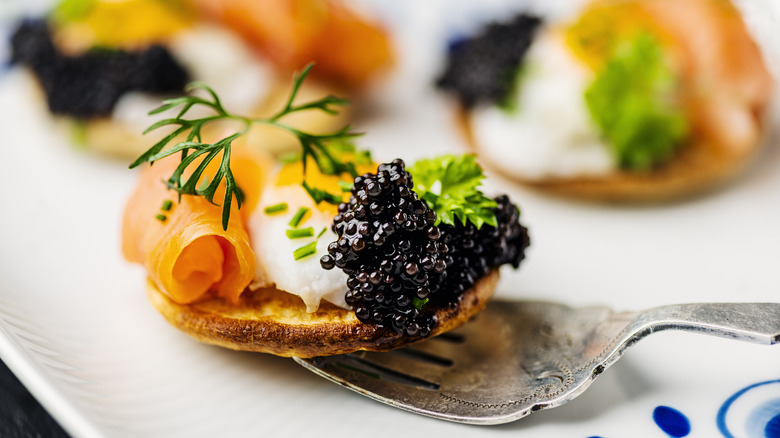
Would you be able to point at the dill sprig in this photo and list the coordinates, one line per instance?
(313, 146)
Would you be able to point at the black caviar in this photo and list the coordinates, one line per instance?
(472, 252)
(388, 246)
(483, 68)
(400, 266)
(90, 84)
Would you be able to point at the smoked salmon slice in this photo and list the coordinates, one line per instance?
(726, 82)
(181, 243)
(347, 48)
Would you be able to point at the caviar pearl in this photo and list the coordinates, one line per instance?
(391, 234)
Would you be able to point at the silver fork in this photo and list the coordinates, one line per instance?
(519, 357)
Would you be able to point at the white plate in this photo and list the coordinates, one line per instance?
(76, 327)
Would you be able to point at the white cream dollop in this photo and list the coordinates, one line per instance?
(274, 250)
(551, 133)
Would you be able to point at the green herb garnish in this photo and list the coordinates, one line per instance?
(276, 208)
(419, 303)
(297, 233)
(290, 158)
(319, 195)
(73, 10)
(79, 136)
(632, 100)
(362, 156)
(204, 183)
(161, 217)
(313, 145)
(305, 251)
(296, 219)
(322, 232)
(509, 103)
(449, 185)
(337, 150)
(166, 205)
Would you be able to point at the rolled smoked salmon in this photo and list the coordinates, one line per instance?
(185, 250)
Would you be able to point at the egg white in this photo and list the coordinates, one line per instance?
(551, 133)
(274, 250)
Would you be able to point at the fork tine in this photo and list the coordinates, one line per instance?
(377, 369)
(423, 356)
(452, 377)
(379, 382)
(416, 366)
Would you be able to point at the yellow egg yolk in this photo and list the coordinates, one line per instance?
(292, 173)
(603, 25)
(127, 24)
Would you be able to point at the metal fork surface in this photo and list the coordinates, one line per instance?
(518, 357)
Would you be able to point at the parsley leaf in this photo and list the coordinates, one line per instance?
(449, 185)
(632, 100)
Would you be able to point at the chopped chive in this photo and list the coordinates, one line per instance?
(276, 208)
(322, 232)
(167, 204)
(78, 134)
(305, 250)
(419, 303)
(161, 217)
(345, 186)
(296, 220)
(297, 233)
(319, 195)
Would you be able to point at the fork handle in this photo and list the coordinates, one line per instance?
(752, 322)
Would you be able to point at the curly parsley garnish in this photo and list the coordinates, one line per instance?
(632, 99)
(449, 185)
(313, 145)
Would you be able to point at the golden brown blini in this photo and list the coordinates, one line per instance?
(725, 90)
(272, 321)
(697, 167)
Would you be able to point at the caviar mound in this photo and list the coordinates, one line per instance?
(90, 84)
(401, 265)
(388, 246)
(482, 69)
(473, 252)
(275, 322)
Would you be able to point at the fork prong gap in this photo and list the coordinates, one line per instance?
(422, 356)
(358, 370)
(376, 370)
(455, 338)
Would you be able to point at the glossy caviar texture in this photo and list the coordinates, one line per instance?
(483, 68)
(388, 246)
(472, 252)
(90, 84)
(400, 265)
